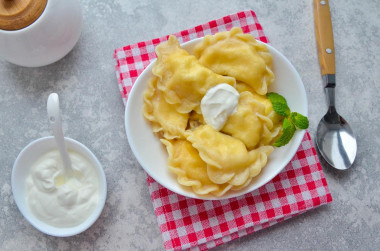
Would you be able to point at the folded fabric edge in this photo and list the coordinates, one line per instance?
(119, 83)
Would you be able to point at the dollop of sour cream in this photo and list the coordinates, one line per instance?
(218, 104)
(60, 201)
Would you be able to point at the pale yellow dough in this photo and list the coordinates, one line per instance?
(233, 53)
(163, 116)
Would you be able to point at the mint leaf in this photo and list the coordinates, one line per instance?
(276, 98)
(288, 130)
(281, 109)
(280, 106)
(299, 120)
(292, 120)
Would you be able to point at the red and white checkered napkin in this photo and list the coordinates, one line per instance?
(199, 224)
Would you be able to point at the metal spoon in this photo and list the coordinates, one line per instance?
(335, 139)
(56, 125)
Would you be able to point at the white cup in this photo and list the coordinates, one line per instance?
(48, 39)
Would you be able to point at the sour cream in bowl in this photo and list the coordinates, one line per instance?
(53, 203)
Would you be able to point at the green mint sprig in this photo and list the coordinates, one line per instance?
(292, 120)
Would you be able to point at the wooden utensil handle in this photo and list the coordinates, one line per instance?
(324, 36)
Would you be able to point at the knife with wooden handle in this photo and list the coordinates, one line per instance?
(325, 41)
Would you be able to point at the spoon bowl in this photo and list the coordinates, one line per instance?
(336, 141)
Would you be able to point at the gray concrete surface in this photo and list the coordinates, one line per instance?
(93, 113)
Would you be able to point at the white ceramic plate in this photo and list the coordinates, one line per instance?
(152, 155)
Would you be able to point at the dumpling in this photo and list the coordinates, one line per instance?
(182, 79)
(272, 134)
(233, 53)
(250, 122)
(190, 169)
(227, 158)
(218, 149)
(240, 178)
(247, 122)
(164, 117)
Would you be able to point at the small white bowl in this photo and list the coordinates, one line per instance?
(20, 172)
(152, 155)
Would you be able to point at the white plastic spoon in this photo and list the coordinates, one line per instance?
(56, 125)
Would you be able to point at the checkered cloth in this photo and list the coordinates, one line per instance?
(199, 224)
